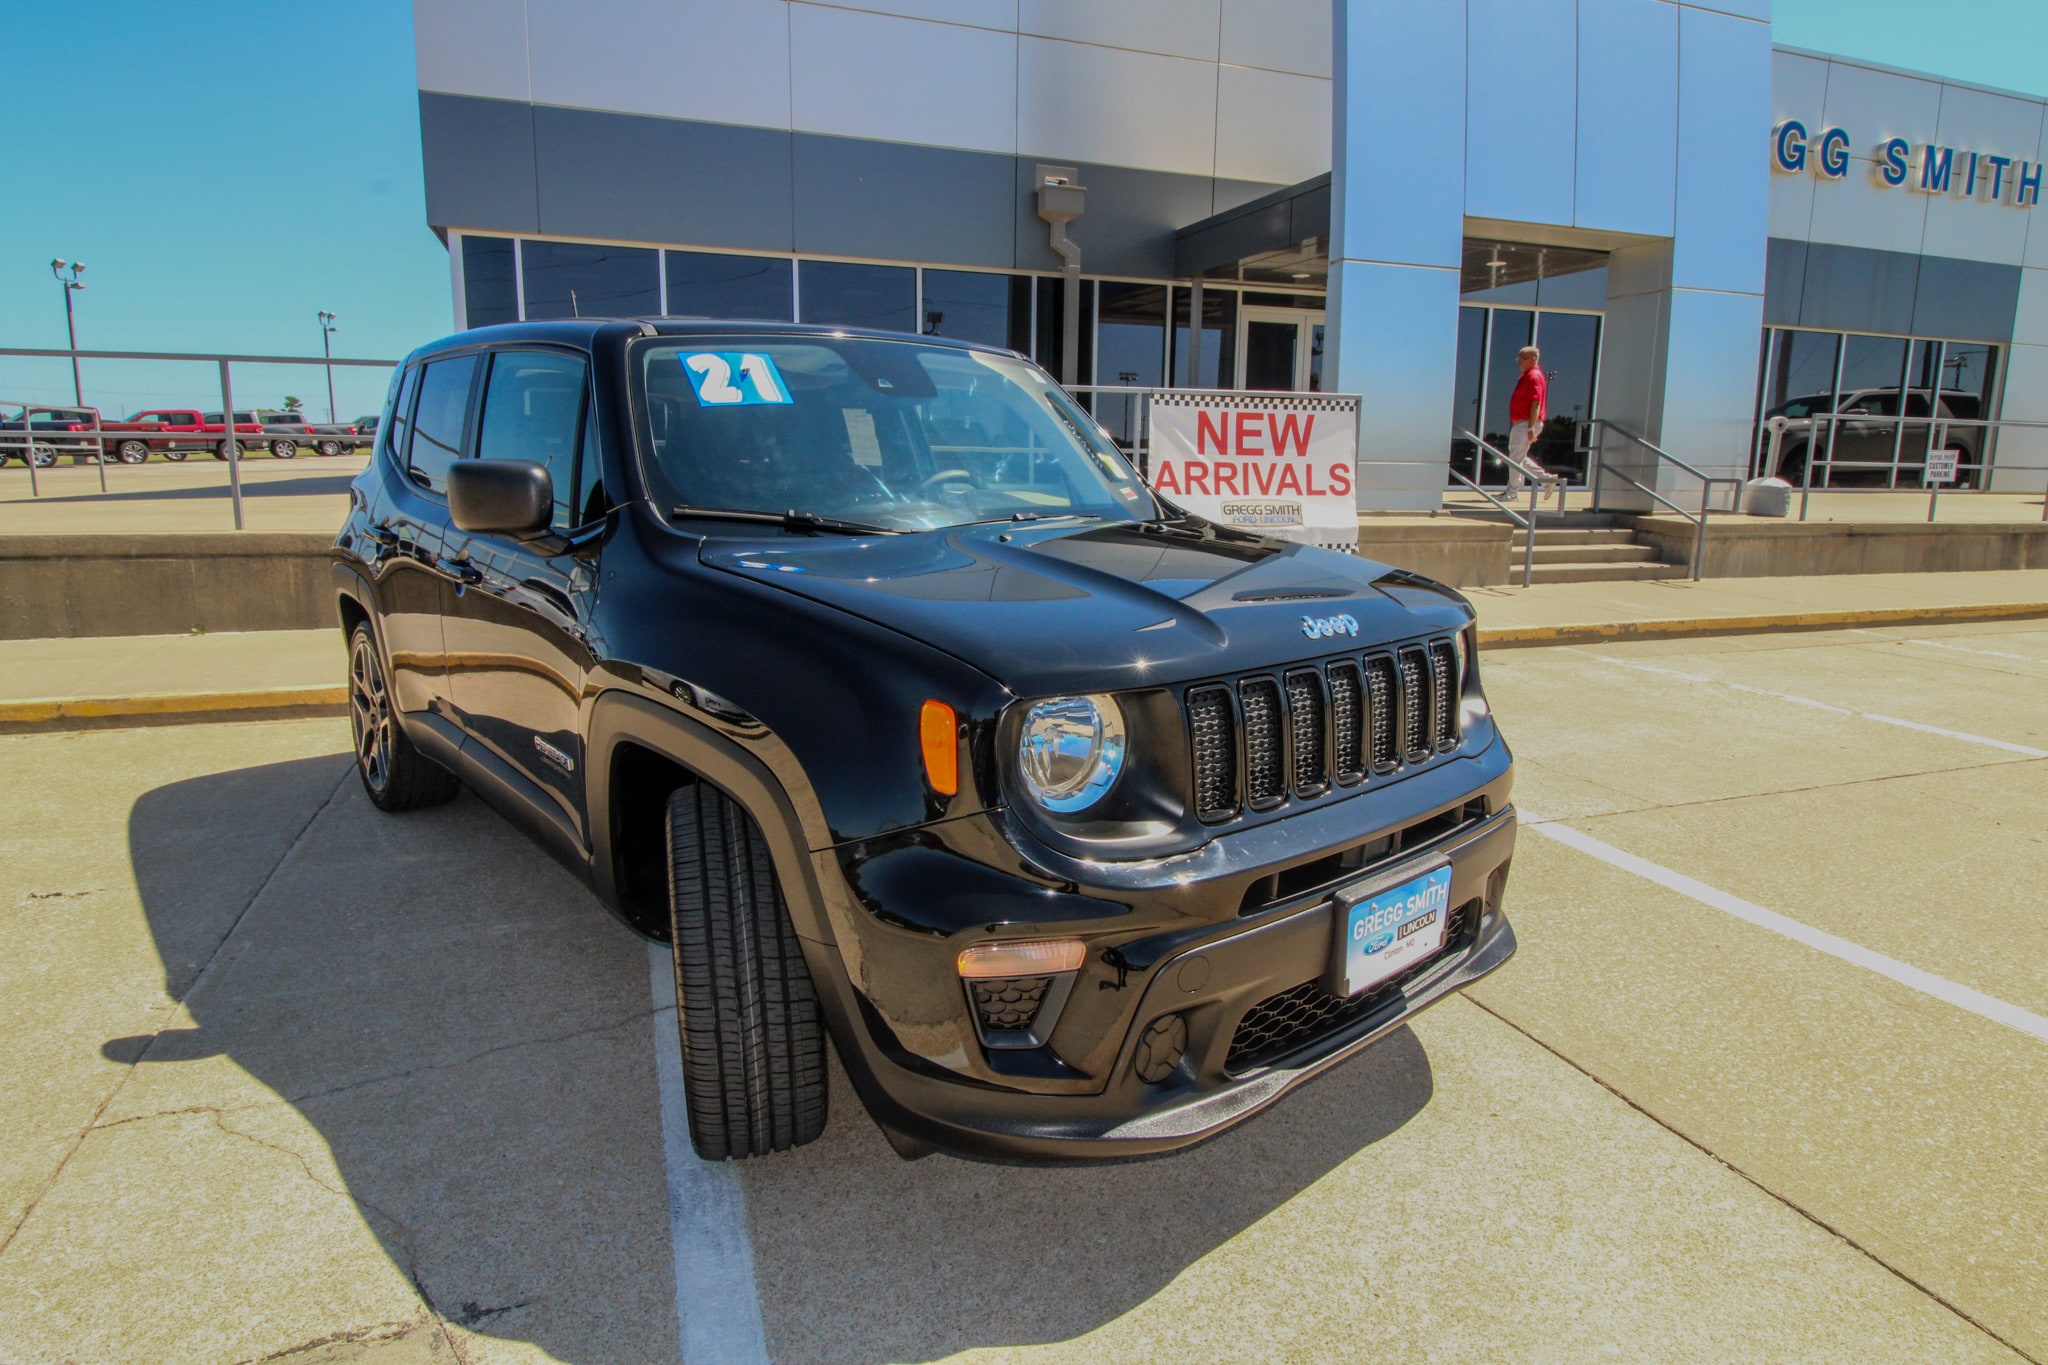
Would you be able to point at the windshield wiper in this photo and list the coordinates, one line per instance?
(792, 520)
(1027, 516)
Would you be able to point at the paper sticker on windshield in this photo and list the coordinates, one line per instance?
(725, 379)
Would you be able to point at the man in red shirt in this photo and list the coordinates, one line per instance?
(1525, 419)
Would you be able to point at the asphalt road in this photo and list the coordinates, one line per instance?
(290, 1079)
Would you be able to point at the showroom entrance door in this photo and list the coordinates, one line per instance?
(1280, 350)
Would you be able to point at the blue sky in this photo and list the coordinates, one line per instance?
(231, 167)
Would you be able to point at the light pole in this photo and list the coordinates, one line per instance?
(327, 349)
(57, 269)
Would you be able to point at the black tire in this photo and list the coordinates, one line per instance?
(329, 447)
(284, 450)
(397, 776)
(176, 456)
(132, 452)
(45, 456)
(753, 1045)
(220, 451)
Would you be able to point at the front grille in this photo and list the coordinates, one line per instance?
(1009, 1004)
(1265, 744)
(1212, 728)
(1302, 1014)
(1335, 724)
(1305, 731)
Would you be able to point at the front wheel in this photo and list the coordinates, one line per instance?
(329, 447)
(753, 1044)
(45, 456)
(284, 450)
(396, 775)
(176, 456)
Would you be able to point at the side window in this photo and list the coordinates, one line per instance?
(595, 504)
(398, 420)
(437, 421)
(533, 410)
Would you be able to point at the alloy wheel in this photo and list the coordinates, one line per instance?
(369, 713)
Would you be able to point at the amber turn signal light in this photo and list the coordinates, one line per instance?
(938, 730)
(1042, 957)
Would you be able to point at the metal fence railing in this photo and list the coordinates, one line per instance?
(1819, 440)
(232, 435)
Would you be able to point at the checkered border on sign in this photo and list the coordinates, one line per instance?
(1209, 398)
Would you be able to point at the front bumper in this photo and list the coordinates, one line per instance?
(1212, 980)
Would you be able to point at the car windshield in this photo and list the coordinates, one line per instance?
(890, 434)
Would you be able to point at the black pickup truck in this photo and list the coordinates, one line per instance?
(865, 670)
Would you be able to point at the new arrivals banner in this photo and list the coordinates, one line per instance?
(1280, 464)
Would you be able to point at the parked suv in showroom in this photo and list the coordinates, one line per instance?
(865, 670)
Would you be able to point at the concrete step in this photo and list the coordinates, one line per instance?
(1599, 573)
(1546, 535)
(1593, 554)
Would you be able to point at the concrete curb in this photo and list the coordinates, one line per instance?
(99, 713)
(288, 703)
(1526, 637)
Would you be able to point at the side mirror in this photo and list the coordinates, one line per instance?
(501, 497)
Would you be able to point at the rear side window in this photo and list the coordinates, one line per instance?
(401, 416)
(533, 410)
(438, 419)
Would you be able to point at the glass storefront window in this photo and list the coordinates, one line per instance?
(708, 285)
(974, 305)
(490, 288)
(1219, 338)
(1468, 388)
(843, 294)
(1571, 360)
(1051, 307)
(1513, 328)
(1130, 345)
(578, 280)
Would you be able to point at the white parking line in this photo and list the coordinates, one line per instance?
(1985, 740)
(718, 1308)
(1927, 983)
(1987, 653)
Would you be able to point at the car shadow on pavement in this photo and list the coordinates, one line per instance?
(469, 1034)
(459, 1022)
(863, 1257)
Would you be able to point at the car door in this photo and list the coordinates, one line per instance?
(518, 628)
(410, 528)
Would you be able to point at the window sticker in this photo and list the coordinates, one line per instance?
(725, 379)
(860, 436)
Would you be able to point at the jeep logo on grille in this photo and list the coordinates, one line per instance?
(1319, 627)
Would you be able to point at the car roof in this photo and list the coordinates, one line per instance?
(584, 331)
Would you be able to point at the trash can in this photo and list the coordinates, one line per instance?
(1767, 498)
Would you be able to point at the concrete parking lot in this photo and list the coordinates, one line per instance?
(290, 1079)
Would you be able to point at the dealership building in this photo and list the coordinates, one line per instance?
(1385, 198)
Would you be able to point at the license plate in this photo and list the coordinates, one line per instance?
(1387, 933)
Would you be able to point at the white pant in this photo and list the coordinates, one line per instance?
(1520, 463)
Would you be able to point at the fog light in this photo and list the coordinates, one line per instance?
(1160, 1048)
(1038, 957)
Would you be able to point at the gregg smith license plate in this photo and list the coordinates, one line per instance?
(1392, 931)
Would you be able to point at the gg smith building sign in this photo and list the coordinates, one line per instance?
(1384, 199)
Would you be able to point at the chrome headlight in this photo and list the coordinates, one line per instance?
(1070, 751)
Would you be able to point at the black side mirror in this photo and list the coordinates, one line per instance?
(501, 497)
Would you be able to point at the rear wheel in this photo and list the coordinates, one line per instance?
(220, 452)
(753, 1046)
(132, 452)
(329, 447)
(45, 456)
(176, 456)
(395, 774)
(284, 450)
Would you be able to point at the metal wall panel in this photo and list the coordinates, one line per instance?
(2030, 320)
(472, 47)
(1280, 35)
(1000, 15)
(1711, 366)
(1874, 105)
(632, 178)
(1271, 126)
(478, 159)
(1521, 109)
(1100, 104)
(1799, 87)
(1628, 116)
(1400, 329)
(653, 57)
(1856, 289)
(896, 201)
(1176, 28)
(1858, 211)
(1977, 300)
(1129, 226)
(902, 80)
(1784, 281)
(1723, 185)
(2023, 454)
(1399, 195)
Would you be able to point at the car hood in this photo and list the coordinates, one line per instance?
(1066, 608)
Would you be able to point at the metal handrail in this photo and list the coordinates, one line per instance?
(1528, 525)
(1663, 457)
(1937, 429)
(1559, 481)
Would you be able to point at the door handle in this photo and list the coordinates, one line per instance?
(461, 570)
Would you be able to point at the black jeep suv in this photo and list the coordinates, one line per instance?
(866, 670)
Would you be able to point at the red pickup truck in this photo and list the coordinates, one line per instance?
(177, 432)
